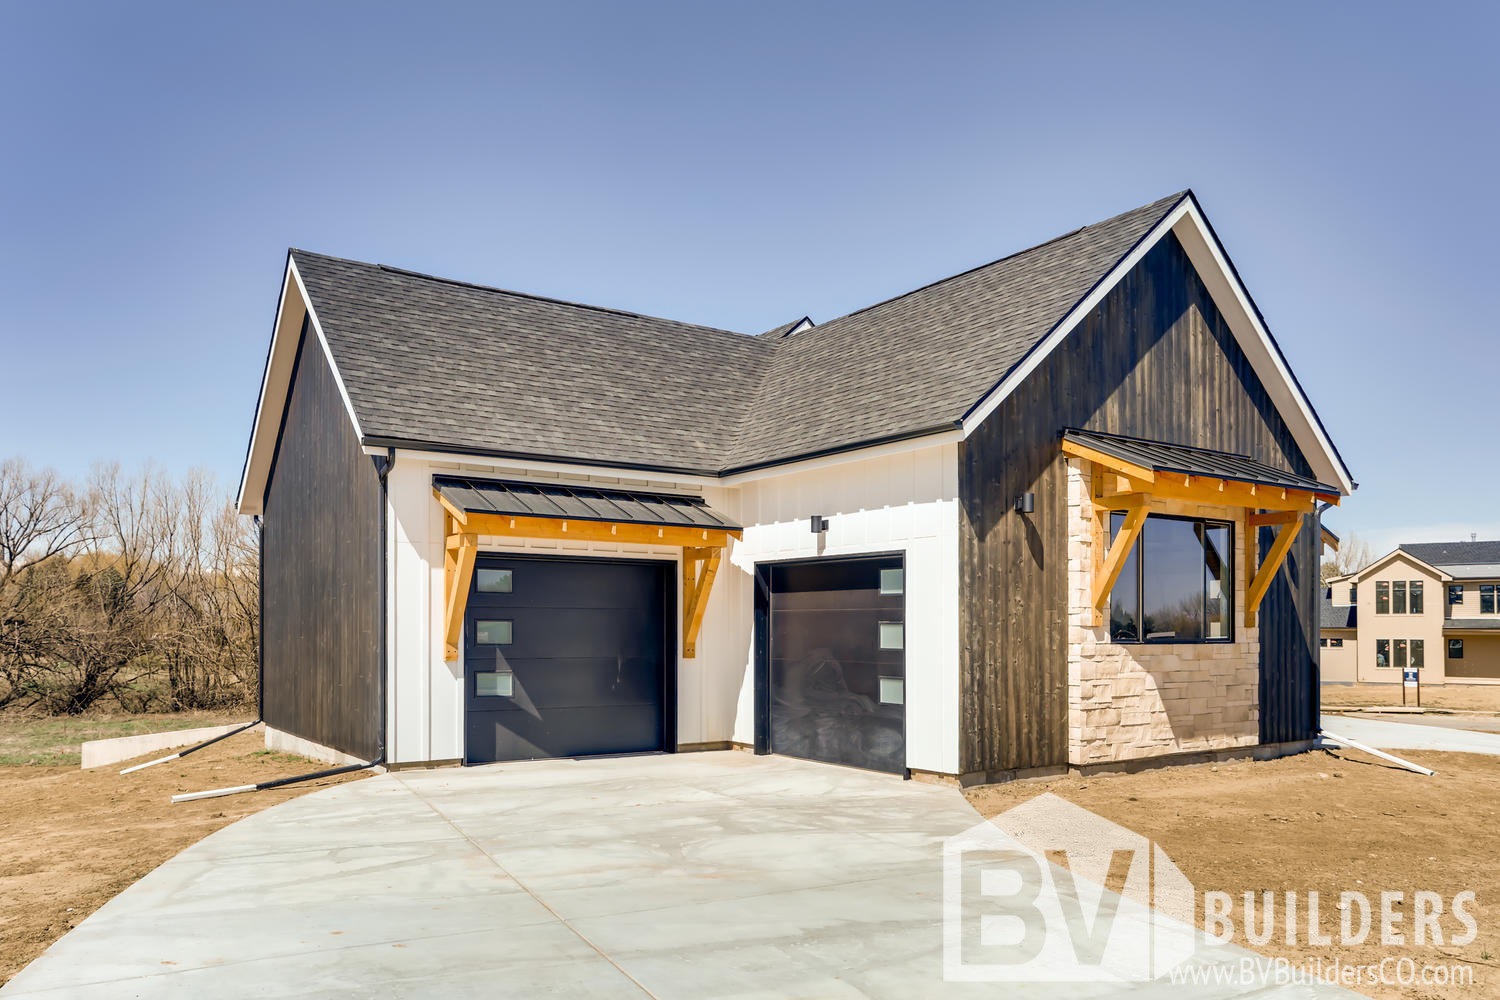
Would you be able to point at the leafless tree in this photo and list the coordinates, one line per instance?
(139, 590)
(1352, 556)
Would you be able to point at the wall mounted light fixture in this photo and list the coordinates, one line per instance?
(819, 524)
(1026, 503)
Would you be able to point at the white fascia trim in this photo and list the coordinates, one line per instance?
(1393, 554)
(275, 385)
(1192, 229)
(842, 457)
(682, 480)
(522, 465)
(260, 404)
(1311, 426)
(312, 314)
(1029, 364)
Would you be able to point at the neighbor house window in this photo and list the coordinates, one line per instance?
(1455, 593)
(1400, 652)
(1455, 649)
(1416, 597)
(1323, 642)
(1336, 643)
(1177, 582)
(1398, 597)
(1416, 653)
(1487, 598)
(1382, 652)
(1353, 594)
(1382, 598)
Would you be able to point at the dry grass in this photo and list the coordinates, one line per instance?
(70, 840)
(1457, 697)
(53, 741)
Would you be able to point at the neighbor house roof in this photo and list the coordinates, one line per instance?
(442, 365)
(1468, 560)
(1337, 615)
(1471, 624)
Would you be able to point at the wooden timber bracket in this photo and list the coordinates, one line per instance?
(702, 553)
(1120, 485)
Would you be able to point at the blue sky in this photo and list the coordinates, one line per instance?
(740, 166)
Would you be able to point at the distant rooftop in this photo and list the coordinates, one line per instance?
(1461, 559)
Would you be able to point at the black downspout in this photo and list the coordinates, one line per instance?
(383, 467)
(260, 618)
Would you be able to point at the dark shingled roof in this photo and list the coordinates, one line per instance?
(1336, 615)
(1444, 554)
(461, 367)
(1159, 456)
(1478, 624)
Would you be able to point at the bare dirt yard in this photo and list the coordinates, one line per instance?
(70, 840)
(1326, 821)
(1456, 697)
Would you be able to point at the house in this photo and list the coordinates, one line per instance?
(1431, 605)
(1058, 510)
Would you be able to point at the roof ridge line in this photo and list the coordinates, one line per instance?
(1000, 260)
(407, 272)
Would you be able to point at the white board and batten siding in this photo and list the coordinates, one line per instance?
(904, 502)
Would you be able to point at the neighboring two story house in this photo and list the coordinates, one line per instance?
(1434, 606)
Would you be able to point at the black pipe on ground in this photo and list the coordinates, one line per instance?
(276, 783)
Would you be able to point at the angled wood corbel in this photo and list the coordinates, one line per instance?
(460, 548)
(1114, 560)
(699, 567)
(1259, 580)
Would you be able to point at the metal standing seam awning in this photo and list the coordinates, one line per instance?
(508, 508)
(1131, 472)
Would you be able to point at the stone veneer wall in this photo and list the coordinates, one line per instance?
(1132, 701)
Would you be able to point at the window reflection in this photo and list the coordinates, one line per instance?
(1176, 584)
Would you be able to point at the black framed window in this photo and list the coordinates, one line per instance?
(1417, 654)
(1400, 653)
(1177, 584)
(1455, 593)
(1416, 597)
(1323, 643)
(1382, 597)
(1336, 643)
(1455, 649)
(1382, 652)
(1398, 597)
(1487, 598)
(1353, 593)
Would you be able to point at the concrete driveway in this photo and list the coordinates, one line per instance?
(694, 875)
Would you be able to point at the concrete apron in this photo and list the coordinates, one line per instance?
(691, 875)
(1407, 736)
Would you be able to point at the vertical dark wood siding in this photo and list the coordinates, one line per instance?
(1155, 360)
(321, 570)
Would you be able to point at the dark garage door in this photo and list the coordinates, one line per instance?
(837, 661)
(565, 657)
